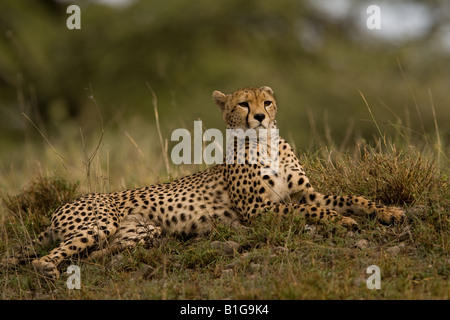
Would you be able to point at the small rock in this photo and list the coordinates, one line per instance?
(255, 266)
(350, 234)
(317, 237)
(144, 271)
(416, 212)
(310, 228)
(279, 249)
(116, 261)
(227, 273)
(395, 250)
(228, 247)
(245, 255)
(217, 244)
(236, 246)
(231, 265)
(362, 244)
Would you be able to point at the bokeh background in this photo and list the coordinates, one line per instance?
(66, 85)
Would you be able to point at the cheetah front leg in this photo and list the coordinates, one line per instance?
(349, 205)
(302, 192)
(312, 213)
(364, 207)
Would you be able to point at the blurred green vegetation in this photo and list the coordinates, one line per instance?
(184, 50)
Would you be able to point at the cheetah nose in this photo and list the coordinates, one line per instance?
(259, 116)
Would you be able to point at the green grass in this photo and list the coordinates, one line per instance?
(277, 258)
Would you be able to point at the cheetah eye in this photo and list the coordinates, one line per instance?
(267, 103)
(244, 105)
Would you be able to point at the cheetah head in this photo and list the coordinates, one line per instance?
(248, 108)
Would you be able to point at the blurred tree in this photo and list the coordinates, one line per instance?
(186, 49)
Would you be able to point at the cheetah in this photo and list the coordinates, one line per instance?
(232, 193)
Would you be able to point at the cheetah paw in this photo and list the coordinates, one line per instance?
(349, 223)
(48, 269)
(391, 215)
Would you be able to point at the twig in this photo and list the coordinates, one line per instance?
(161, 140)
(373, 118)
(412, 94)
(60, 158)
(91, 157)
(438, 136)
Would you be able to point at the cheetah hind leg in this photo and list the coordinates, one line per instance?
(75, 244)
(131, 233)
(48, 265)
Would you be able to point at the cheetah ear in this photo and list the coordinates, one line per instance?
(220, 99)
(267, 89)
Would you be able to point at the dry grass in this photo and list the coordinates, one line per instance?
(392, 177)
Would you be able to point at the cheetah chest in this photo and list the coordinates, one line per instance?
(276, 188)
